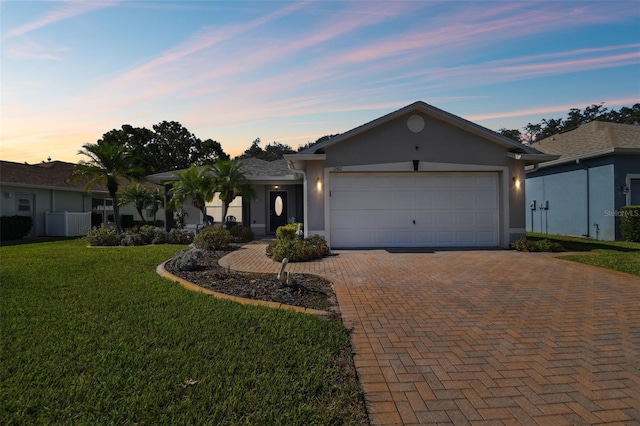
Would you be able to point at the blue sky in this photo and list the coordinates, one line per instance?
(295, 71)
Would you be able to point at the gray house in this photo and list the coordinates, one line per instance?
(417, 177)
(278, 198)
(581, 192)
(57, 206)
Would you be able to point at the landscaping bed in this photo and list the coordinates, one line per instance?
(305, 290)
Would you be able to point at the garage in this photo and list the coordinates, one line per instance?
(414, 209)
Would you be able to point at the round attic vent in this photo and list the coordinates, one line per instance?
(415, 123)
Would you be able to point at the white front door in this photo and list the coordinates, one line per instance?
(414, 210)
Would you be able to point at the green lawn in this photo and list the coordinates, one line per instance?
(617, 255)
(94, 336)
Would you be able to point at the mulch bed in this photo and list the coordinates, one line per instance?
(305, 290)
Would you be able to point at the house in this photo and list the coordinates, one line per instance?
(278, 198)
(57, 206)
(581, 192)
(417, 177)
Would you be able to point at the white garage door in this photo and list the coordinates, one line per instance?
(414, 210)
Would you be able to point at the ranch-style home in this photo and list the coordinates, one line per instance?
(582, 192)
(56, 206)
(417, 177)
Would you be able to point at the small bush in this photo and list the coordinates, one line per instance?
(241, 234)
(103, 236)
(630, 223)
(212, 238)
(312, 248)
(180, 236)
(287, 232)
(144, 235)
(523, 244)
(186, 260)
(14, 227)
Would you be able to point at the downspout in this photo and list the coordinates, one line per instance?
(305, 206)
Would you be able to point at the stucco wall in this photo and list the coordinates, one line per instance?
(315, 197)
(44, 200)
(393, 142)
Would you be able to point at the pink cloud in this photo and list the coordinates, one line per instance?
(549, 109)
(68, 10)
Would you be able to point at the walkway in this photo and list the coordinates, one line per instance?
(484, 337)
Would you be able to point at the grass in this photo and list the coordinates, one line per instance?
(617, 255)
(94, 336)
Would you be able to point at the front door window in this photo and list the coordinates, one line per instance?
(277, 210)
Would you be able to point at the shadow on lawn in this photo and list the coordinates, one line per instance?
(587, 245)
(35, 240)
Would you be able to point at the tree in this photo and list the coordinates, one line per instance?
(157, 201)
(169, 146)
(271, 152)
(511, 134)
(139, 195)
(175, 148)
(230, 181)
(319, 140)
(108, 164)
(195, 183)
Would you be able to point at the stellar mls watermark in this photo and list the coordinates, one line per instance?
(622, 213)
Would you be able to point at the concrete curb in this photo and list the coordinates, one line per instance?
(275, 305)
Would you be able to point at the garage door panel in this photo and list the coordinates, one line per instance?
(424, 209)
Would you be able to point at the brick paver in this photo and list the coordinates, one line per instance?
(484, 337)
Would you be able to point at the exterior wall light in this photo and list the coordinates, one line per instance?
(624, 189)
(319, 184)
(516, 181)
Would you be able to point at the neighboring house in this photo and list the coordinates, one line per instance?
(581, 193)
(278, 198)
(417, 177)
(57, 206)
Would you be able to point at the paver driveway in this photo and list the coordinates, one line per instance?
(499, 337)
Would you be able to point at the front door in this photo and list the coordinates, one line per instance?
(24, 207)
(277, 210)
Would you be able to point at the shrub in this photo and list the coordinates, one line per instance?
(287, 232)
(103, 236)
(241, 234)
(630, 223)
(312, 248)
(523, 244)
(212, 238)
(14, 227)
(180, 236)
(131, 239)
(186, 260)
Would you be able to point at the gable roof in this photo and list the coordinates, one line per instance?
(522, 151)
(593, 139)
(51, 175)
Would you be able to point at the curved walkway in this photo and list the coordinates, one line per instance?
(498, 337)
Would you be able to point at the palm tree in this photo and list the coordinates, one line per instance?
(108, 164)
(139, 195)
(157, 201)
(230, 181)
(195, 183)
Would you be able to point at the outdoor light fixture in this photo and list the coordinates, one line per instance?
(319, 184)
(516, 181)
(276, 187)
(624, 189)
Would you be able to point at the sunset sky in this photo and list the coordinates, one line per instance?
(292, 72)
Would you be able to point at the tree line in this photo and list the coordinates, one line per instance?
(532, 133)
